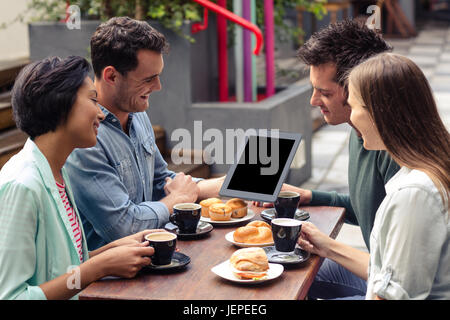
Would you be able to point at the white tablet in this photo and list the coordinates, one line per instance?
(261, 166)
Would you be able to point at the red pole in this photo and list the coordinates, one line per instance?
(236, 19)
(198, 26)
(67, 13)
(247, 51)
(222, 53)
(222, 15)
(270, 48)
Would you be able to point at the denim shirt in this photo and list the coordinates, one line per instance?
(118, 183)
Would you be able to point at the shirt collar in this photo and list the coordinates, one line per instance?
(111, 118)
(393, 184)
(42, 165)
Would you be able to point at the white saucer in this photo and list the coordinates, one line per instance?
(232, 221)
(229, 238)
(224, 270)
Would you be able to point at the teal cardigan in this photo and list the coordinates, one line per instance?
(36, 239)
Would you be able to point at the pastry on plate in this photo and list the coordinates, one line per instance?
(259, 223)
(220, 212)
(238, 206)
(206, 204)
(249, 263)
(256, 232)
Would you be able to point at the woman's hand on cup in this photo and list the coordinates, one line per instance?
(125, 261)
(313, 240)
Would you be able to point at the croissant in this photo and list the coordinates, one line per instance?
(253, 235)
(259, 223)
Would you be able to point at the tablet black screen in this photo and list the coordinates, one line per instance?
(260, 174)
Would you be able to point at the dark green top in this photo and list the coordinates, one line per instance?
(368, 172)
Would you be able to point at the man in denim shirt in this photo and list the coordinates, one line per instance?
(122, 185)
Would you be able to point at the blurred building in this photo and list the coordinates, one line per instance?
(14, 38)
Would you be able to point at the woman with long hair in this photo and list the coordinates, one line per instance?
(43, 250)
(393, 108)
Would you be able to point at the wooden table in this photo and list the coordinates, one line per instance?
(198, 282)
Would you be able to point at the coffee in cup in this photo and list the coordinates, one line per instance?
(186, 216)
(285, 233)
(286, 204)
(164, 244)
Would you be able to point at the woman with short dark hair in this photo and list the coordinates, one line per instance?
(41, 235)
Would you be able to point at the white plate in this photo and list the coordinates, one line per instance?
(229, 237)
(224, 270)
(232, 221)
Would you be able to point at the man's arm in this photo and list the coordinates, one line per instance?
(325, 198)
(162, 178)
(104, 201)
(181, 189)
(210, 188)
(207, 188)
(334, 199)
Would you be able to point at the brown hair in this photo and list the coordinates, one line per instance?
(401, 103)
(117, 41)
(345, 43)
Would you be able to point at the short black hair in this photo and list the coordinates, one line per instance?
(346, 43)
(117, 41)
(45, 91)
